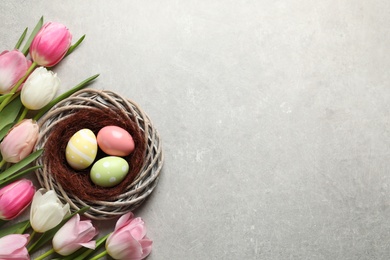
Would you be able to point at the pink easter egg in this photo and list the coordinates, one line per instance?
(114, 140)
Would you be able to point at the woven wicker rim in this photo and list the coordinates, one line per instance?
(145, 181)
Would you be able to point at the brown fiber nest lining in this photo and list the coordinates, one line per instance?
(94, 109)
(78, 182)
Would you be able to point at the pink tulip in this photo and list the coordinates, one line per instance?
(15, 198)
(13, 66)
(129, 241)
(50, 44)
(74, 235)
(14, 247)
(20, 141)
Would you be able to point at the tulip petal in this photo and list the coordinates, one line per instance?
(47, 211)
(39, 89)
(129, 241)
(74, 235)
(137, 228)
(67, 233)
(86, 231)
(146, 245)
(14, 198)
(49, 197)
(10, 243)
(50, 44)
(124, 220)
(36, 199)
(13, 66)
(124, 246)
(47, 217)
(20, 141)
(90, 244)
(11, 205)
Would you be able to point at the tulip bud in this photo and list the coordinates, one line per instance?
(73, 235)
(50, 44)
(20, 141)
(15, 198)
(13, 66)
(129, 241)
(39, 89)
(47, 211)
(14, 247)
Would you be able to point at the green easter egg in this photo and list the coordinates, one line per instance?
(109, 171)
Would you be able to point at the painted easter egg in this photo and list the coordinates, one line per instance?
(114, 140)
(81, 149)
(109, 171)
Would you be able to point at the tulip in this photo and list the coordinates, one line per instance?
(50, 44)
(129, 241)
(13, 66)
(39, 89)
(73, 235)
(20, 141)
(15, 198)
(14, 247)
(47, 211)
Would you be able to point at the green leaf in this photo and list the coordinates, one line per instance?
(81, 85)
(17, 46)
(18, 175)
(18, 228)
(74, 46)
(32, 35)
(10, 112)
(20, 165)
(5, 96)
(48, 235)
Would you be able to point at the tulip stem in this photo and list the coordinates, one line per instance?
(17, 85)
(30, 239)
(46, 254)
(96, 257)
(23, 115)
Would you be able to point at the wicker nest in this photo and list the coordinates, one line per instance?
(95, 109)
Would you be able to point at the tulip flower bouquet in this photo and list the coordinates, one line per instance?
(26, 84)
(28, 103)
(71, 238)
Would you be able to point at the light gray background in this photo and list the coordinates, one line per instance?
(274, 117)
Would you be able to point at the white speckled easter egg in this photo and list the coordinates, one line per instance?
(109, 171)
(81, 149)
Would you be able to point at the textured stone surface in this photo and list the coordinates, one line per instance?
(274, 117)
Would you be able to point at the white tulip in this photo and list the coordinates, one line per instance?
(39, 89)
(47, 211)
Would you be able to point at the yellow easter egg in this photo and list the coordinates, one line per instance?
(81, 149)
